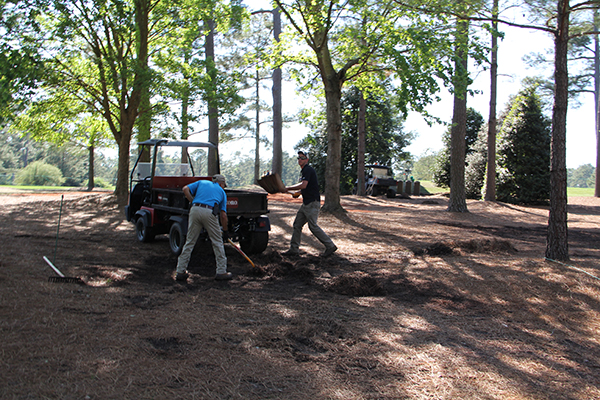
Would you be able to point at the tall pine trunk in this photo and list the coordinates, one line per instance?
(360, 152)
(557, 240)
(458, 133)
(597, 98)
(490, 181)
(213, 111)
(91, 184)
(185, 118)
(257, 130)
(277, 165)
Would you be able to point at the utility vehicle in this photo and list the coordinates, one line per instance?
(157, 205)
(378, 180)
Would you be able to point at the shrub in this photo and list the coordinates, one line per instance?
(71, 182)
(99, 183)
(39, 173)
(7, 178)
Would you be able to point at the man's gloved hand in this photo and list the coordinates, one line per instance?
(225, 236)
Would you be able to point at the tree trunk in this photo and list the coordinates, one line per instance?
(185, 118)
(257, 131)
(490, 182)
(334, 148)
(360, 162)
(122, 185)
(557, 243)
(91, 185)
(213, 112)
(277, 165)
(144, 120)
(185, 104)
(458, 198)
(597, 98)
(333, 95)
(129, 112)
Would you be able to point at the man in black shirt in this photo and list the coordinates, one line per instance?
(309, 210)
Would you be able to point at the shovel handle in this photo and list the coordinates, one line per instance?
(241, 252)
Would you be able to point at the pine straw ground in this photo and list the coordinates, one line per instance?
(418, 303)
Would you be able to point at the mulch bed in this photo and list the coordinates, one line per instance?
(417, 303)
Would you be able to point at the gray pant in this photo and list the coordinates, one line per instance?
(199, 218)
(309, 213)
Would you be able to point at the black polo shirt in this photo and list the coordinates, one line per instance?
(311, 192)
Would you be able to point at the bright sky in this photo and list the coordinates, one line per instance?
(581, 139)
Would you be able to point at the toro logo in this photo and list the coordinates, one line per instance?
(232, 202)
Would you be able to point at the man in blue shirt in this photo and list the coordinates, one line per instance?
(309, 210)
(206, 197)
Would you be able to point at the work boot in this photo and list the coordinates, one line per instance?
(290, 253)
(227, 276)
(329, 251)
(181, 276)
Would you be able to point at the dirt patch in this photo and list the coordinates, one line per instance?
(356, 283)
(417, 303)
(469, 246)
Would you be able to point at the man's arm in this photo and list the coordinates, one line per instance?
(298, 186)
(224, 220)
(187, 193)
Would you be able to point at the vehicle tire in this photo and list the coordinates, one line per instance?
(391, 193)
(374, 191)
(176, 239)
(256, 242)
(143, 232)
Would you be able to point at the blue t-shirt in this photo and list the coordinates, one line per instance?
(209, 193)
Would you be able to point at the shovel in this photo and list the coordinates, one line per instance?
(242, 253)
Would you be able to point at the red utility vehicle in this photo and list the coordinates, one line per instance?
(157, 204)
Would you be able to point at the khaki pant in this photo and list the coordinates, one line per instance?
(203, 218)
(309, 213)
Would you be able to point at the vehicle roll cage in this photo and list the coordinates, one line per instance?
(184, 144)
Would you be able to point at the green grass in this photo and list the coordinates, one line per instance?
(580, 192)
(431, 188)
(26, 187)
(427, 185)
(571, 192)
(17, 188)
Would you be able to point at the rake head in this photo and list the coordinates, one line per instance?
(65, 279)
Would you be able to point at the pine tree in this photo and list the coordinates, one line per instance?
(523, 174)
(441, 172)
(476, 162)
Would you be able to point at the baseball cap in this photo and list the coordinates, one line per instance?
(302, 154)
(219, 178)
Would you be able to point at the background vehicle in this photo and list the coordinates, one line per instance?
(157, 204)
(378, 180)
